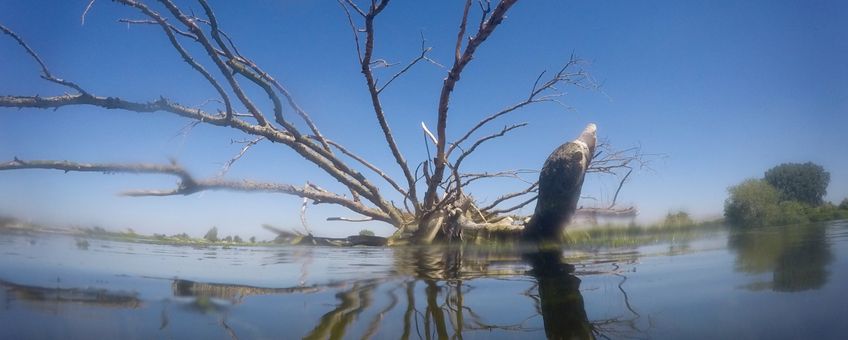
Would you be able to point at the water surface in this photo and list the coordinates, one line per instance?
(766, 283)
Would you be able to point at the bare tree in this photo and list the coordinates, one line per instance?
(433, 198)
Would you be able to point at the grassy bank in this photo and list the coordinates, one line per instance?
(676, 227)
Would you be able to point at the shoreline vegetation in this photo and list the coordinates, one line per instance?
(789, 193)
(17, 226)
(676, 227)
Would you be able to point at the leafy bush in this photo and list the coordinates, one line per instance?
(793, 212)
(826, 212)
(805, 183)
(366, 232)
(752, 203)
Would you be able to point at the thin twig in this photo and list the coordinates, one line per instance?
(45, 72)
(231, 161)
(412, 63)
(84, 12)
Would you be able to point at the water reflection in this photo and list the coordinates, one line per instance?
(559, 298)
(229, 292)
(797, 256)
(52, 298)
(433, 292)
(434, 301)
(503, 291)
(353, 302)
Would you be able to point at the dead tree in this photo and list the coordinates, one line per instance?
(434, 203)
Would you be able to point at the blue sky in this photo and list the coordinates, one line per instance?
(725, 89)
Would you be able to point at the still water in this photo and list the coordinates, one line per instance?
(767, 283)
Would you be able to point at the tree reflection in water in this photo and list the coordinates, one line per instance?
(53, 298)
(444, 275)
(433, 292)
(560, 301)
(796, 256)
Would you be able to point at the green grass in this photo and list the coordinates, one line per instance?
(611, 235)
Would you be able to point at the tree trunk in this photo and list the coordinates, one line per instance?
(560, 182)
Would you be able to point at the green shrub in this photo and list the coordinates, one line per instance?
(366, 232)
(793, 212)
(752, 203)
(826, 212)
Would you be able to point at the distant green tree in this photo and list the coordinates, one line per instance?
(228, 239)
(678, 219)
(253, 239)
(366, 232)
(844, 204)
(752, 203)
(805, 183)
(237, 239)
(212, 235)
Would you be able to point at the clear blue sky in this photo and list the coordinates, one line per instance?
(725, 89)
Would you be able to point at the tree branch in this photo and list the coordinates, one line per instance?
(472, 177)
(365, 65)
(168, 28)
(412, 63)
(207, 46)
(533, 188)
(515, 207)
(323, 158)
(344, 175)
(483, 33)
(370, 166)
(480, 141)
(85, 12)
(537, 94)
(45, 73)
(188, 185)
(460, 36)
(229, 163)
